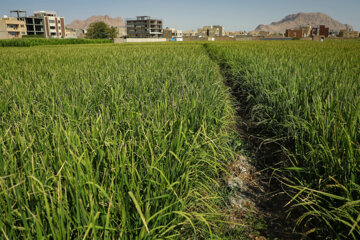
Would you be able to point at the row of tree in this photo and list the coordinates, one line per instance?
(100, 30)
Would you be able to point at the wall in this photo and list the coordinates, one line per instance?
(294, 33)
(138, 40)
(318, 38)
(224, 38)
(194, 39)
(247, 38)
(3, 31)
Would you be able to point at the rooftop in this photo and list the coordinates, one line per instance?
(18, 13)
(45, 13)
(142, 18)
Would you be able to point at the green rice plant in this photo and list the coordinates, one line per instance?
(111, 142)
(307, 94)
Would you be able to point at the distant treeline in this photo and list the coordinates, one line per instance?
(43, 41)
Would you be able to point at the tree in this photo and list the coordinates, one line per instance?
(98, 30)
(112, 33)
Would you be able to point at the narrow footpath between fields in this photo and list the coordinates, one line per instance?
(262, 193)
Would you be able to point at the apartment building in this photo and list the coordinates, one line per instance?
(34, 25)
(211, 31)
(11, 27)
(44, 23)
(144, 27)
(54, 26)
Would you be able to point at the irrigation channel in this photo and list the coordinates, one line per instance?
(262, 192)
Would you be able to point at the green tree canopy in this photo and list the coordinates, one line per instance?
(98, 30)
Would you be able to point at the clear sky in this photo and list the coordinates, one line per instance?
(191, 14)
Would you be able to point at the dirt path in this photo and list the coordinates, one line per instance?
(260, 186)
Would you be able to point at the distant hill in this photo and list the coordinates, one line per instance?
(302, 19)
(117, 22)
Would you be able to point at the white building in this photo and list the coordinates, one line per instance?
(173, 34)
(54, 25)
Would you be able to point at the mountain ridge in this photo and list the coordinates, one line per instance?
(302, 19)
(117, 22)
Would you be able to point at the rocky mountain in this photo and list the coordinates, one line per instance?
(302, 19)
(84, 24)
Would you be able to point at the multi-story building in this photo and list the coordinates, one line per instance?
(172, 34)
(54, 26)
(34, 25)
(348, 34)
(44, 23)
(320, 31)
(11, 27)
(219, 31)
(211, 31)
(144, 27)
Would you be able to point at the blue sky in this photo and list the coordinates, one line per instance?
(191, 14)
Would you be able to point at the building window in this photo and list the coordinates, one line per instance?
(22, 33)
(53, 34)
(52, 27)
(39, 28)
(38, 21)
(22, 25)
(51, 21)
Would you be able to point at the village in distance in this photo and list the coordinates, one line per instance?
(47, 24)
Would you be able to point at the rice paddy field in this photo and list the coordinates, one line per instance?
(131, 141)
(28, 42)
